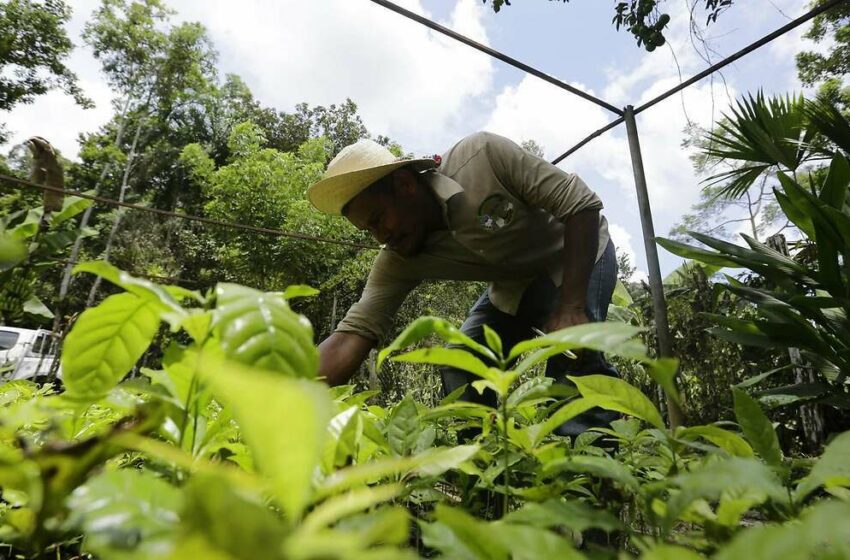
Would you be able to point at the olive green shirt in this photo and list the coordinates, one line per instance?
(504, 208)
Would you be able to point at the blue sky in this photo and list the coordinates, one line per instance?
(427, 91)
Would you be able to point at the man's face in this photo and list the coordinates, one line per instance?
(394, 216)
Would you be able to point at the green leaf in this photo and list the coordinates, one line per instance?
(231, 519)
(354, 501)
(572, 514)
(259, 329)
(12, 252)
(678, 276)
(820, 532)
(834, 190)
(106, 342)
(437, 460)
(613, 338)
(831, 469)
(695, 253)
(145, 289)
(298, 290)
(663, 372)
(600, 466)
(423, 327)
(284, 422)
(567, 412)
(535, 388)
(612, 393)
(757, 428)
(476, 536)
(525, 542)
(451, 357)
(494, 341)
(403, 426)
(710, 481)
(724, 439)
(127, 513)
(34, 306)
(71, 206)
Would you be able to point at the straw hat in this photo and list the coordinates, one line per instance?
(356, 167)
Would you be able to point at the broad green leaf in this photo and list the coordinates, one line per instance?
(35, 306)
(232, 520)
(145, 289)
(494, 341)
(126, 513)
(820, 533)
(476, 536)
(698, 254)
(600, 466)
(298, 290)
(423, 327)
(362, 474)
(12, 252)
(106, 342)
(284, 422)
(710, 481)
(621, 296)
(663, 372)
(615, 394)
(452, 357)
(617, 339)
(259, 329)
(678, 276)
(525, 542)
(834, 191)
(354, 501)
(436, 461)
(757, 428)
(831, 469)
(567, 412)
(573, 514)
(71, 207)
(403, 427)
(535, 388)
(724, 439)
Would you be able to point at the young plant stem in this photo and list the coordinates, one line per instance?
(505, 440)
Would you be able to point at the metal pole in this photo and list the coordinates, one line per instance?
(659, 304)
(495, 54)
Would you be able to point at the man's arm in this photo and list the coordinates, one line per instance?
(581, 242)
(341, 354)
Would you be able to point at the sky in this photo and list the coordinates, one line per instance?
(427, 91)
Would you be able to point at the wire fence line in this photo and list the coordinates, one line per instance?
(188, 217)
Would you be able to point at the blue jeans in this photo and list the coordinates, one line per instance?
(538, 302)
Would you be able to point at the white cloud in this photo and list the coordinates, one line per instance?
(623, 241)
(409, 82)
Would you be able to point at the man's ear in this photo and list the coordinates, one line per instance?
(404, 181)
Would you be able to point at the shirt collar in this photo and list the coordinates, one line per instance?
(444, 188)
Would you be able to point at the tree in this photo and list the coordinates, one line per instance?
(33, 49)
(644, 19)
(832, 27)
(625, 268)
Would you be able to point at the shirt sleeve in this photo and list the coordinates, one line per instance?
(537, 182)
(372, 316)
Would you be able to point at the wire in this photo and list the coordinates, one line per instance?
(188, 217)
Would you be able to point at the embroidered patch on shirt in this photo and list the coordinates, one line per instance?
(495, 212)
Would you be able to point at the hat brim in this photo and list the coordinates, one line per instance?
(332, 194)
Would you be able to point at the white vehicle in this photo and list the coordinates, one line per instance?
(26, 353)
